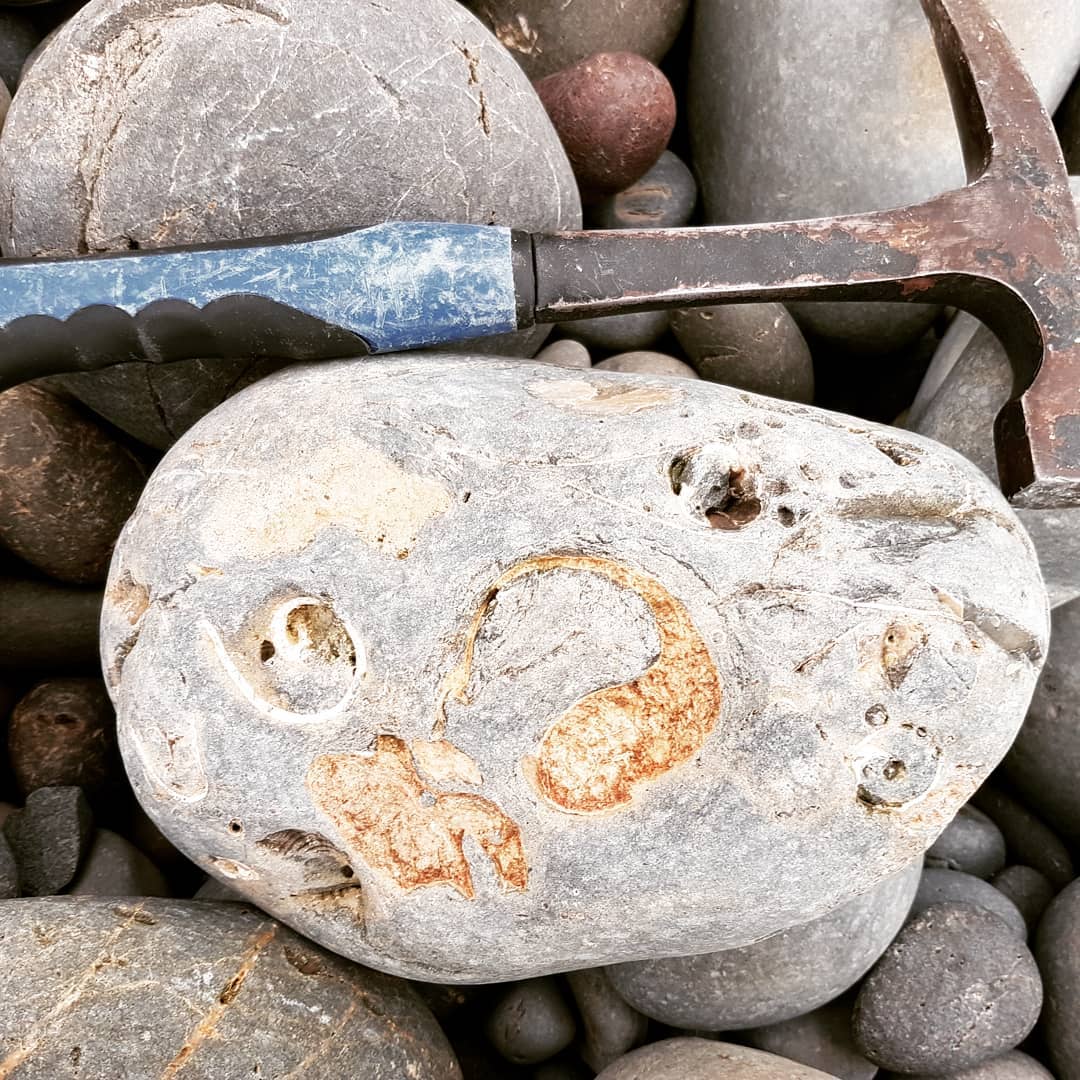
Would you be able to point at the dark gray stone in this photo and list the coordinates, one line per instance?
(937, 886)
(1028, 839)
(545, 36)
(1057, 948)
(956, 987)
(49, 837)
(531, 1022)
(821, 1039)
(18, 39)
(1027, 889)
(47, 625)
(424, 119)
(756, 347)
(114, 867)
(778, 134)
(9, 870)
(564, 1067)
(1044, 762)
(1011, 1066)
(637, 330)
(783, 976)
(703, 1059)
(217, 891)
(645, 362)
(610, 1026)
(971, 843)
(664, 198)
(139, 988)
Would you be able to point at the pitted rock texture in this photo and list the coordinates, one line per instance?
(785, 975)
(666, 670)
(167, 988)
(155, 122)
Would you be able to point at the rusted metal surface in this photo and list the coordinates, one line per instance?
(1005, 248)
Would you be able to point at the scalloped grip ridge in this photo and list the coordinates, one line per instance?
(390, 287)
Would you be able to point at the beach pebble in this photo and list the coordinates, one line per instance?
(18, 39)
(545, 36)
(9, 870)
(643, 362)
(48, 625)
(1011, 1066)
(756, 347)
(821, 1039)
(956, 987)
(619, 333)
(703, 1059)
(614, 112)
(937, 886)
(565, 353)
(424, 118)
(971, 843)
(778, 978)
(49, 837)
(610, 1027)
(66, 486)
(1057, 949)
(114, 867)
(1027, 889)
(174, 988)
(63, 734)
(531, 1022)
(664, 198)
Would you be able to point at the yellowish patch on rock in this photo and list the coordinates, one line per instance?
(602, 398)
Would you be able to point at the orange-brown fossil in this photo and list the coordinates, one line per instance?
(400, 827)
(592, 757)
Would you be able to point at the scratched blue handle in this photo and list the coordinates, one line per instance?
(390, 287)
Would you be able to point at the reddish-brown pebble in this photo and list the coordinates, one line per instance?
(614, 113)
(66, 486)
(63, 734)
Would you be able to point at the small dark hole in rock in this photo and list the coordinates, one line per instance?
(347, 871)
(786, 516)
(895, 452)
(894, 770)
(738, 506)
(235, 826)
(266, 651)
(876, 715)
(65, 720)
(677, 472)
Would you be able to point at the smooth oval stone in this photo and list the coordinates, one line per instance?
(755, 347)
(955, 988)
(114, 867)
(1044, 762)
(425, 118)
(971, 843)
(66, 486)
(779, 134)
(664, 198)
(9, 870)
(47, 625)
(703, 1059)
(644, 362)
(215, 890)
(937, 886)
(437, 696)
(1011, 1066)
(565, 353)
(545, 36)
(1027, 889)
(18, 39)
(821, 1039)
(619, 333)
(610, 1026)
(782, 976)
(63, 734)
(1028, 839)
(49, 837)
(614, 112)
(531, 1022)
(174, 988)
(1057, 949)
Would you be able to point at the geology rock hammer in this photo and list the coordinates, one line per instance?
(1005, 247)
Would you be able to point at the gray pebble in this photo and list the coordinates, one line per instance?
(1057, 948)
(664, 198)
(954, 989)
(212, 889)
(971, 843)
(1011, 1066)
(937, 886)
(703, 1059)
(49, 837)
(1028, 839)
(1027, 889)
(616, 333)
(756, 347)
(114, 867)
(821, 1039)
(1044, 762)
(644, 362)
(531, 1022)
(783, 976)
(169, 988)
(564, 1067)
(9, 870)
(565, 353)
(18, 39)
(610, 1026)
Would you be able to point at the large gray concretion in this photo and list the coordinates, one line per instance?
(800, 108)
(149, 123)
(479, 669)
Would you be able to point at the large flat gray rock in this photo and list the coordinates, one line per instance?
(478, 669)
